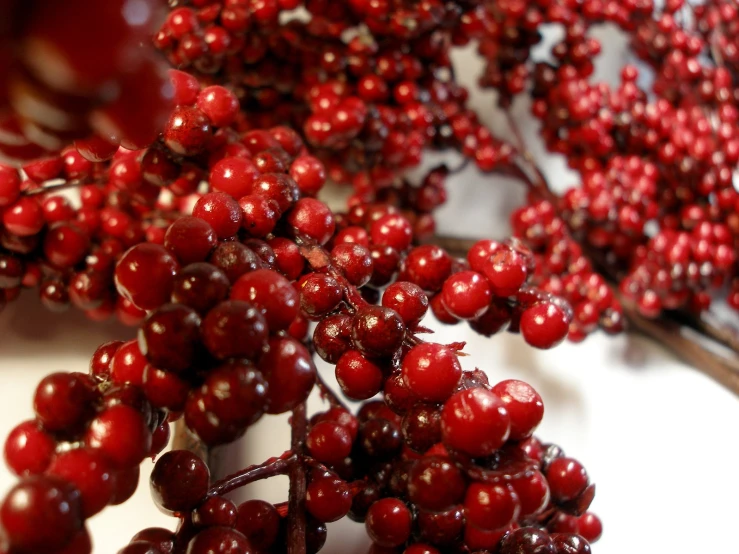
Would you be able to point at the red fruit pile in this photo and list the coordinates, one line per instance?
(192, 214)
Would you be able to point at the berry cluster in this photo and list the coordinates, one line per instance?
(191, 212)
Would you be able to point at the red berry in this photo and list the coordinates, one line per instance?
(358, 377)
(90, 473)
(121, 435)
(145, 275)
(431, 371)
(524, 406)
(329, 442)
(475, 422)
(28, 449)
(272, 293)
(328, 499)
(388, 522)
(544, 325)
(567, 479)
(490, 506)
(234, 176)
(311, 220)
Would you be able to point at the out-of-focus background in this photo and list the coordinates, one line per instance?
(656, 436)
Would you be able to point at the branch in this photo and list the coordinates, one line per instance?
(296, 501)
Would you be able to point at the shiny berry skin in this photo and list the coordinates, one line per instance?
(570, 543)
(466, 295)
(145, 275)
(290, 373)
(24, 217)
(234, 259)
(408, 300)
(288, 259)
(179, 481)
(319, 294)
(190, 239)
(90, 473)
(270, 292)
(65, 245)
(392, 230)
(28, 449)
(475, 422)
(169, 336)
(388, 522)
(435, 484)
(527, 539)
(259, 215)
(329, 442)
(544, 325)
(234, 329)
(506, 272)
(358, 377)
(121, 434)
(188, 131)
(590, 527)
(377, 331)
(221, 211)
(328, 499)
(524, 406)
(309, 173)
(64, 401)
(219, 539)
(233, 176)
(216, 510)
(41, 514)
(427, 266)
(219, 104)
(490, 506)
(567, 479)
(259, 521)
(533, 493)
(312, 221)
(102, 358)
(354, 261)
(200, 286)
(128, 364)
(431, 371)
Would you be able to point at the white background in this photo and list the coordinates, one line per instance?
(656, 436)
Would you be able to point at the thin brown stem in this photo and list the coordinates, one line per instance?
(269, 468)
(298, 482)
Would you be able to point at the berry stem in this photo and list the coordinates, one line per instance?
(268, 468)
(298, 484)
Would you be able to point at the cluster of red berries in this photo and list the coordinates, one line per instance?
(198, 222)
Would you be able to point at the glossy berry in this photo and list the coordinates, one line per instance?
(64, 401)
(28, 449)
(407, 299)
(41, 514)
(567, 479)
(358, 377)
(466, 295)
(388, 522)
(222, 213)
(200, 286)
(234, 329)
(431, 371)
(490, 506)
(288, 368)
(179, 481)
(145, 275)
(188, 131)
(219, 104)
(259, 521)
(219, 539)
(527, 539)
(435, 484)
(544, 325)
(311, 220)
(90, 473)
(590, 527)
(524, 406)
(329, 442)
(169, 337)
(377, 331)
(319, 294)
(328, 498)
(506, 272)
(216, 510)
(121, 434)
(271, 293)
(190, 239)
(475, 422)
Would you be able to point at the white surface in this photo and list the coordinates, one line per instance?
(657, 437)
